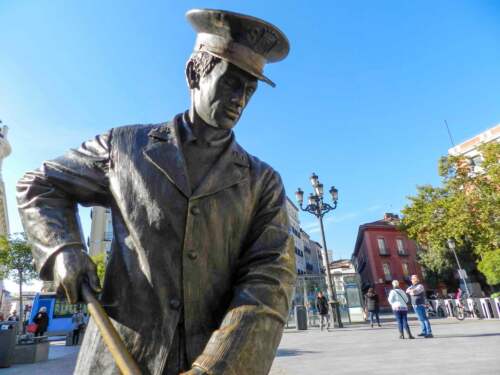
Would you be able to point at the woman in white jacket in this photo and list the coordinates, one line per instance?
(399, 303)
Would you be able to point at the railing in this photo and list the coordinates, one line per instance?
(384, 252)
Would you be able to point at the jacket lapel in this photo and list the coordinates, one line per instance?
(164, 152)
(230, 169)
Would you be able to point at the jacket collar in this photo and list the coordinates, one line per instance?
(164, 151)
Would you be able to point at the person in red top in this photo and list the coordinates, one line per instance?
(458, 296)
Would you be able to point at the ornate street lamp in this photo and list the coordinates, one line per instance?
(318, 207)
(452, 246)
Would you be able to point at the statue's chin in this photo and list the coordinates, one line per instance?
(225, 123)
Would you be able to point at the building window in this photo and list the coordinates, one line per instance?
(108, 236)
(401, 246)
(295, 231)
(387, 272)
(476, 161)
(382, 249)
(406, 270)
(299, 252)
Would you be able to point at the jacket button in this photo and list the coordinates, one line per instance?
(195, 210)
(192, 255)
(175, 304)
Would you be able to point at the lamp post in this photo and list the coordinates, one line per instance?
(452, 246)
(318, 207)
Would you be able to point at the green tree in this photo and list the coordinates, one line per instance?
(16, 262)
(489, 265)
(100, 262)
(466, 208)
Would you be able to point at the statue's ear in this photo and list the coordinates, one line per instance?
(192, 76)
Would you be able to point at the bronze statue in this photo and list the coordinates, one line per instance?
(202, 267)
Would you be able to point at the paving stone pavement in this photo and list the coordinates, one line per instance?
(62, 360)
(467, 348)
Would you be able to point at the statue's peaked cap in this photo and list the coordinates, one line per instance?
(245, 41)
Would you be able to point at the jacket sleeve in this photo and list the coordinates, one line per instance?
(418, 290)
(390, 298)
(250, 333)
(48, 197)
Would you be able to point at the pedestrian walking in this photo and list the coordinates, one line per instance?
(417, 295)
(399, 303)
(13, 317)
(78, 321)
(42, 321)
(322, 307)
(372, 306)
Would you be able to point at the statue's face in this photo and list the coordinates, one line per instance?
(221, 95)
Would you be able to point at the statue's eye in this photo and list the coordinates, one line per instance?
(230, 81)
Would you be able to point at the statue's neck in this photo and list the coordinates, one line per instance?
(203, 131)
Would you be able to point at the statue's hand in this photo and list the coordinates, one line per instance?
(72, 267)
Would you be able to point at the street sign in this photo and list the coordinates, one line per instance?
(462, 273)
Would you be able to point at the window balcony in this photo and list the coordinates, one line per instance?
(384, 252)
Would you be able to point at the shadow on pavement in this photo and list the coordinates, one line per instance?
(466, 336)
(292, 352)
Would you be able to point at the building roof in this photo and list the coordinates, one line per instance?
(390, 221)
(487, 136)
(341, 263)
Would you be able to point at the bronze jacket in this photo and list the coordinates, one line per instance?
(220, 256)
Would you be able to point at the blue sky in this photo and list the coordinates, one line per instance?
(360, 100)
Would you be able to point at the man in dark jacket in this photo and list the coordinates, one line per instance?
(322, 306)
(372, 306)
(13, 317)
(202, 267)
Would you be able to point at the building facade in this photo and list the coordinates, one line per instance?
(382, 253)
(348, 289)
(295, 231)
(312, 255)
(5, 303)
(5, 151)
(469, 148)
(101, 231)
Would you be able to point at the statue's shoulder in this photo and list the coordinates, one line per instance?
(258, 167)
(137, 130)
(128, 137)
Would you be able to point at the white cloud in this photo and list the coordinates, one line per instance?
(313, 227)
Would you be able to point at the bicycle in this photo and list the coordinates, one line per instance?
(461, 310)
(433, 313)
